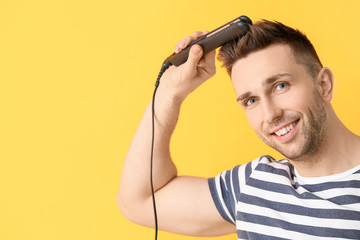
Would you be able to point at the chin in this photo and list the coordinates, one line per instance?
(300, 153)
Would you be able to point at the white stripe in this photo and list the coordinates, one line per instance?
(297, 219)
(278, 232)
(253, 164)
(338, 177)
(241, 176)
(352, 207)
(277, 179)
(336, 192)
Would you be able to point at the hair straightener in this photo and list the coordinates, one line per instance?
(210, 41)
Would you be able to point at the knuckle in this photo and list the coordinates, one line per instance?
(178, 44)
(187, 39)
(197, 33)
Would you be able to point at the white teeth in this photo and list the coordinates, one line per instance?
(285, 130)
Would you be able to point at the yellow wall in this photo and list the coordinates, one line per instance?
(76, 76)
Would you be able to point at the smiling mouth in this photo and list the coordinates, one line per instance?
(286, 129)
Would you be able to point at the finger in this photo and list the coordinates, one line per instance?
(197, 34)
(177, 46)
(183, 44)
(195, 55)
(180, 45)
(186, 41)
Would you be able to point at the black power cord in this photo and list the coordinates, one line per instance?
(210, 41)
(165, 66)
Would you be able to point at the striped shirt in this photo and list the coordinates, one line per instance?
(267, 199)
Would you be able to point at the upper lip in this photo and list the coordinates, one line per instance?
(282, 126)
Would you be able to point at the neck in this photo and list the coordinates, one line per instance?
(338, 152)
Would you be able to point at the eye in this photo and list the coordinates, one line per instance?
(250, 102)
(281, 86)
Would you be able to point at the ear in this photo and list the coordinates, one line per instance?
(325, 84)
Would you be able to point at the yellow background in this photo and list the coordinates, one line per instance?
(76, 76)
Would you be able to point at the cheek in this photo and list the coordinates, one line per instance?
(294, 100)
(296, 104)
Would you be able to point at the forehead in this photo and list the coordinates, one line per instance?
(253, 69)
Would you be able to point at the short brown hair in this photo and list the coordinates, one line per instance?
(265, 33)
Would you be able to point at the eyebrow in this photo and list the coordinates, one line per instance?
(266, 81)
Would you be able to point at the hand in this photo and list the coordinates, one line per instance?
(182, 80)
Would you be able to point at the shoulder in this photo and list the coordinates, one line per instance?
(269, 164)
(266, 167)
(264, 163)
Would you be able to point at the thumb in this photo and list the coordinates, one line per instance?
(195, 55)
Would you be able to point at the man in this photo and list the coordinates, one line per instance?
(286, 94)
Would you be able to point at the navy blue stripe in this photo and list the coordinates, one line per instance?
(267, 157)
(270, 169)
(235, 173)
(248, 170)
(227, 193)
(287, 163)
(345, 199)
(311, 230)
(264, 166)
(257, 236)
(279, 188)
(331, 185)
(299, 210)
(214, 195)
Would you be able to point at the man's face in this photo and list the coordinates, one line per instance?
(281, 101)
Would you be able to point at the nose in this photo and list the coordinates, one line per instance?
(271, 111)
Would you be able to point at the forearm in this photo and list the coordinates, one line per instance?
(135, 178)
(134, 196)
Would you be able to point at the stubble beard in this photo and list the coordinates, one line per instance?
(313, 134)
